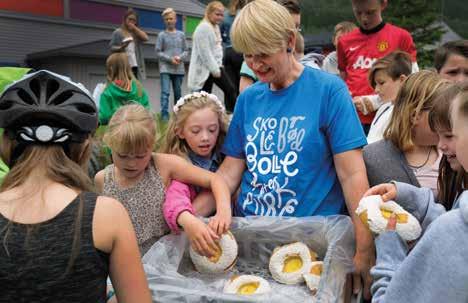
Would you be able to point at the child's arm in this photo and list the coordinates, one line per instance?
(178, 211)
(179, 198)
(113, 233)
(140, 34)
(180, 169)
(99, 181)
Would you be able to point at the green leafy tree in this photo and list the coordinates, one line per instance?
(422, 19)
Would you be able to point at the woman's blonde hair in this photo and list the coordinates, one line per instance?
(118, 68)
(177, 146)
(416, 94)
(131, 130)
(262, 27)
(211, 7)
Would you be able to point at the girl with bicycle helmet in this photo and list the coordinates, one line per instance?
(60, 241)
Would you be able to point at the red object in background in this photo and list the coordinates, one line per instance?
(36, 7)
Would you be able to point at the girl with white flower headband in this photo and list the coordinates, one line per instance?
(140, 177)
(196, 132)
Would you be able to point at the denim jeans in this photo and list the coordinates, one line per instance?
(166, 80)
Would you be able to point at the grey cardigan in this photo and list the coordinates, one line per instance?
(116, 42)
(385, 163)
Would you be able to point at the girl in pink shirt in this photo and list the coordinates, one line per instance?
(196, 132)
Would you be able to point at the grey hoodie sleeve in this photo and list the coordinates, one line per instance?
(391, 251)
(420, 202)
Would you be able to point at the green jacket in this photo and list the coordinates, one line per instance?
(113, 97)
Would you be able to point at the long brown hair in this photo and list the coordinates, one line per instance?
(56, 166)
(235, 5)
(118, 68)
(449, 182)
(416, 94)
(123, 26)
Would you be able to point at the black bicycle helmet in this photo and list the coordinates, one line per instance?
(43, 106)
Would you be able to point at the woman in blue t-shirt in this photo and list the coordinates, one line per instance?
(294, 143)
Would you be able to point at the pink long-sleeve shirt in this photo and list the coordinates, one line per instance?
(179, 198)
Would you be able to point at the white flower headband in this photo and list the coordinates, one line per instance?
(196, 95)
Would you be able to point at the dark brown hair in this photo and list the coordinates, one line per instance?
(458, 47)
(291, 5)
(449, 182)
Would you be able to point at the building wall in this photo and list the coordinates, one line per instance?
(190, 24)
(25, 36)
(44, 8)
(26, 28)
(98, 12)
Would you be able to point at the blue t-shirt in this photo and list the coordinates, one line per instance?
(287, 139)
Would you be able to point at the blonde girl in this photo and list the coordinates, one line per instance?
(127, 39)
(196, 132)
(206, 62)
(408, 153)
(140, 177)
(122, 88)
(59, 240)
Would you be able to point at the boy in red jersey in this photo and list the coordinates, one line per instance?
(359, 49)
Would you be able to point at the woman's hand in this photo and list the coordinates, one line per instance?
(388, 191)
(201, 237)
(221, 222)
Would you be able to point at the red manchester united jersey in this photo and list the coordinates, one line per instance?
(358, 51)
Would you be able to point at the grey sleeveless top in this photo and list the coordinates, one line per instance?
(33, 263)
(144, 203)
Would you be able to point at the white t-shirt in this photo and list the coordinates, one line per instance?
(130, 50)
(380, 122)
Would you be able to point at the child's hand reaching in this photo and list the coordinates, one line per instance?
(388, 191)
(201, 237)
(221, 222)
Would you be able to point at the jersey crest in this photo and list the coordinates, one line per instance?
(382, 46)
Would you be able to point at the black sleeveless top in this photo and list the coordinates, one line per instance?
(35, 258)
